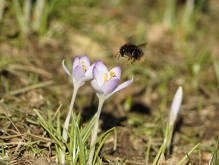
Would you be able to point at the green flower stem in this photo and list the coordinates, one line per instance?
(94, 133)
(170, 127)
(67, 120)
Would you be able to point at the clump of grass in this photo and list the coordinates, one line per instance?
(78, 144)
(215, 155)
(40, 10)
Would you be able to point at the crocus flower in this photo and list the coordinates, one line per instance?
(105, 83)
(81, 72)
(173, 115)
(175, 105)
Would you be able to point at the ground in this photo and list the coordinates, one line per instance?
(176, 54)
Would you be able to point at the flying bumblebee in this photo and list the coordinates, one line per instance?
(132, 52)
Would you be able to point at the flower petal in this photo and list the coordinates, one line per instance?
(78, 73)
(176, 105)
(109, 86)
(123, 85)
(87, 78)
(90, 70)
(75, 62)
(97, 76)
(86, 61)
(96, 87)
(65, 68)
(117, 70)
(101, 68)
(89, 73)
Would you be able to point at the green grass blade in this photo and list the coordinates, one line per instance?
(215, 155)
(189, 153)
(86, 131)
(100, 145)
(50, 129)
(216, 69)
(148, 151)
(104, 137)
(81, 147)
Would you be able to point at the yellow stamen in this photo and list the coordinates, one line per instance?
(109, 75)
(105, 77)
(112, 74)
(83, 66)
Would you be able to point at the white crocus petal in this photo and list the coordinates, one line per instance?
(90, 70)
(66, 69)
(88, 73)
(176, 105)
(123, 85)
(96, 87)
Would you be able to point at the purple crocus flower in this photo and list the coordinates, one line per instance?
(81, 70)
(105, 82)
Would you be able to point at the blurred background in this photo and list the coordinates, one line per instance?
(182, 49)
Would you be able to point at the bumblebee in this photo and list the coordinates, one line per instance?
(132, 52)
